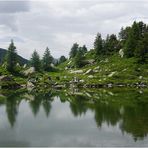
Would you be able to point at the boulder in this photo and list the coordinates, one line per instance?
(52, 65)
(91, 61)
(111, 74)
(18, 65)
(91, 76)
(90, 71)
(29, 71)
(30, 84)
(106, 61)
(97, 68)
(95, 71)
(6, 78)
(140, 77)
(69, 62)
(25, 65)
(82, 81)
(65, 77)
(121, 53)
(8, 82)
(76, 71)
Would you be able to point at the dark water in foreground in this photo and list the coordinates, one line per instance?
(74, 118)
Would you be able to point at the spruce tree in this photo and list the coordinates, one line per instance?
(111, 44)
(84, 49)
(35, 61)
(78, 60)
(11, 58)
(141, 51)
(132, 40)
(62, 59)
(74, 50)
(98, 45)
(47, 60)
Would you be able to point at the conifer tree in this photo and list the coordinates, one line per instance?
(74, 50)
(11, 57)
(62, 59)
(132, 40)
(35, 61)
(78, 60)
(47, 60)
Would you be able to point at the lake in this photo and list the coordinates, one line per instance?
(88, 117)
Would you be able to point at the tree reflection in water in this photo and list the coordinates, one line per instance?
(128, 108)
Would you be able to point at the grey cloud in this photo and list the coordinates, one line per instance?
(9, 11)
(14, 6)
(9, 21)
(59, 23)
(8, 39)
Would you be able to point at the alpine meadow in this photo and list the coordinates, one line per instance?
(74, 73)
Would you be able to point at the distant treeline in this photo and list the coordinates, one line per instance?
(132, 40)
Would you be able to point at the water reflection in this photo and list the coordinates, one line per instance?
(128, 108)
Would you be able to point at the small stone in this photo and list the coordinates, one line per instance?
(121, 53)
(97, 68)
(31, 70)
(90, 71)
(91, 76)
(82, 81)
(140, 77)
(111, 74)
(77, 71)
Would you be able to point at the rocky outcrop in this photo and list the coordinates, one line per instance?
(90, 71)
(76, 71)
(121, 53)
(29, 71)
(112, 73)
(7, 82)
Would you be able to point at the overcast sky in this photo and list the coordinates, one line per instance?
(59, 23)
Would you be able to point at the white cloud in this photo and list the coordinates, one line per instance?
(60, 23)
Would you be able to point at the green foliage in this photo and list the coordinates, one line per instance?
(111, 44)
(106, 47)
(83, 49)
(47, 60)
(78, 60)
(35, 61)
(98, 45)
(141, 51)
(131, 42)
(136, 42)
(74, 50)
(62, 59)
(11, 58)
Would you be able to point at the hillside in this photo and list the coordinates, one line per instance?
(110, 70)
(3, 53)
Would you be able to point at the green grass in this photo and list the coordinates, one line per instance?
(126, 71)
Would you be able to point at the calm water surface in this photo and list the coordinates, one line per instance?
(74, 118)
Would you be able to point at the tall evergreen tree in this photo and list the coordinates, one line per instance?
(35, 61)
(142, 29)
(141, 51)
(132, 40)
(111, 44)
(78, 60)
(11, 57)
(62, 59)
(47, 60)
(123, 35)
(84, 49)
(74, 50)
(98, 45)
